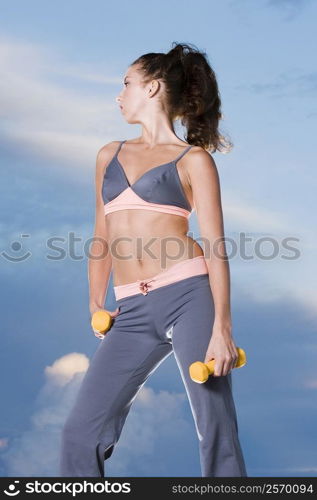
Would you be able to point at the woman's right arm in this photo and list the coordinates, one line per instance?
(99, 261)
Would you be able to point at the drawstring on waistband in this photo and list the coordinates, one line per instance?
(144, 285)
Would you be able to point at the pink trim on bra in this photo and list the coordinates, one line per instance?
(128, 200)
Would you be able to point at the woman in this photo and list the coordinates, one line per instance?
(172, 294)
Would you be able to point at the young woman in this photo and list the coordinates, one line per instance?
(172, 294)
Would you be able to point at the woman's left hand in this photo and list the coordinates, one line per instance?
(222, 349)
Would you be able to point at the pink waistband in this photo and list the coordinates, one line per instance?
(179, 271)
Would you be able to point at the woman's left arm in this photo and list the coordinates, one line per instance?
(203, 177)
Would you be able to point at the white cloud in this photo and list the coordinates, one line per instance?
(269, 281)
(52, 119)
(35, 453)
(249, 217)
(156, 417)
(63, 369)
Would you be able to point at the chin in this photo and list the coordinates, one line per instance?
(131, 120)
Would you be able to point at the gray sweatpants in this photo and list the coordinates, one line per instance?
(176, 318)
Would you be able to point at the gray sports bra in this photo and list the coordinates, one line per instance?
(159, 189)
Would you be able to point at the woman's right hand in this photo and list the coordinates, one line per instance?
(113, 314)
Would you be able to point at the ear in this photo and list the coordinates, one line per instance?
(155, 86)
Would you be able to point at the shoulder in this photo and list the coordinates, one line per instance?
(105, 154)
(107, 150)
(200, 156)
(199, 163)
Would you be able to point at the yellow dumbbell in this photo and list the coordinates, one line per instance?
(101, 321)
(199, 372)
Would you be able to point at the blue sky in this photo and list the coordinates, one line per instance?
(62, 65)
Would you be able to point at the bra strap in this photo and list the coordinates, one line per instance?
(119, 147)
(183, 153)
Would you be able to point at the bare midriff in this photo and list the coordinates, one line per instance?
(142, 243)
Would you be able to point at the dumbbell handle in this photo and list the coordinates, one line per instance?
(199, 372)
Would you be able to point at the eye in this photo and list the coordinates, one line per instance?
(126, 83)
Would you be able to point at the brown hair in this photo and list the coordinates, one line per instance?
(192, 93)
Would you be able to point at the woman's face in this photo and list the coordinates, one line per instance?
(134, 97)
